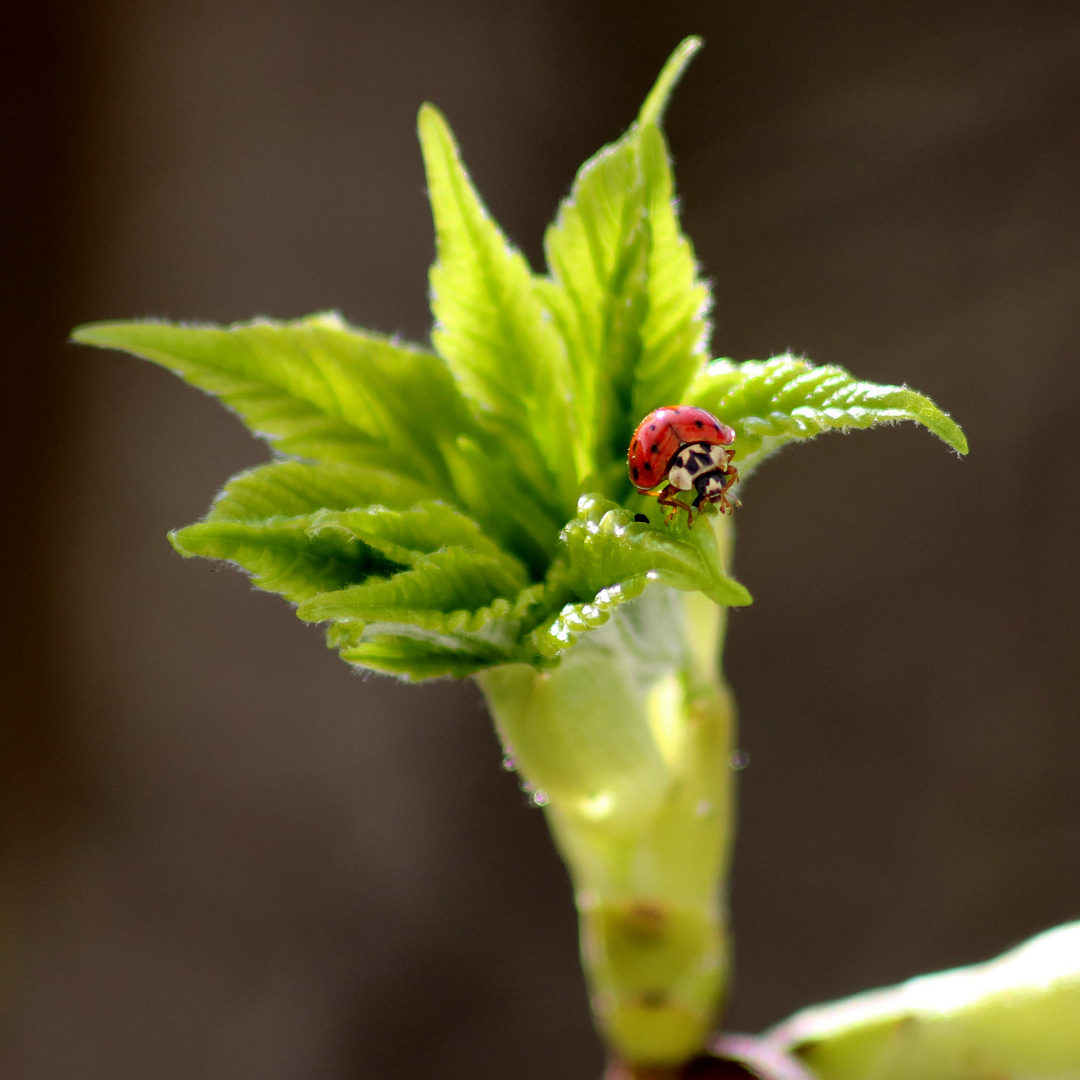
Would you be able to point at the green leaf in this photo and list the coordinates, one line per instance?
(676, 329)
(426, 656)
(454, 612)
(443, 591)
(493, 490)
(291, 488)
(652, 111)
(263, 522)
(491, 327)
(432, 644)
(281, 556)
(405, 536)
(770, 403)
(623, 290)
(575, 619)
(1015, 1016)
(314, 388)
(597, 254)
(609, 558)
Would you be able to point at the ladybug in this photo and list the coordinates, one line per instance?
(687, 449)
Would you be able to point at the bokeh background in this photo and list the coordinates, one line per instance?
(227, 856)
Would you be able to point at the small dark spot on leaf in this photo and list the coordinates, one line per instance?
(642, 518)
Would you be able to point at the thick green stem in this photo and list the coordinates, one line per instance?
(628, 743)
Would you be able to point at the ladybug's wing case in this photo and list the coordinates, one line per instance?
(692, 424)
(654, 444)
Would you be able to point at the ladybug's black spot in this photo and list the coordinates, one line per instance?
(655, 449)
(642, 518)
(652, 427)
(647, 466)
(634, 472)
(699, 423)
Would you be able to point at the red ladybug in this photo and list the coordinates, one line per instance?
(685, 448)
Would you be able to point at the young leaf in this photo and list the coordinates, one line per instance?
(442, 591)
(291, 488)
(491, 327)
(281, 555)
(575, 619)
(623, 288)
(652, 111)
(433, 645)
(609, 558)
(262, 522)
(494, 491)
(453, 612)
(270, 521)
(427, 656)
(771, 403)
(597, 253)
(675, 334)
(405, 536)
(314, 388)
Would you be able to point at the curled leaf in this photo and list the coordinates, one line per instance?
(773, 402)
(262, 522)
(609, 558)
(406, 535)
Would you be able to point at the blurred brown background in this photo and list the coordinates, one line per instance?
(226, 855)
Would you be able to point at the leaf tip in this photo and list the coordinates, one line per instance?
(84, 334)
(181, 543)
(959, 441)
(126, 336)
(652, 112)
(442, 158)
(101, 334)
(942, 425)
(737, 595)
(431, 124)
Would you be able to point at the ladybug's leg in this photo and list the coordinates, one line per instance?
(731, 476)
(667, 498)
